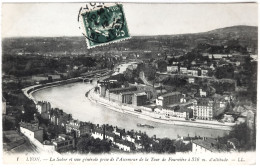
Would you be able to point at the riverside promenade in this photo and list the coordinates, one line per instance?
(151, 116)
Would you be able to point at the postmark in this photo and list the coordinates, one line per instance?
(103, 24)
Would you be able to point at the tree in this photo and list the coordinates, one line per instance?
(240, 132)
(88, 144)
(145, 142)
(225, 72)
(150, 72)
(164, 146)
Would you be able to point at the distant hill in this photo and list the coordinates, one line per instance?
(236, 32)
(245, 36)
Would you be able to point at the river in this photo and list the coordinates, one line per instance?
(71, 99)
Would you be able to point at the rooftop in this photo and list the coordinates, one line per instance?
(98, 130)
(121, 89)
(42, 102)
(30, 126)
(126, 143)
(209, 144)
(65, 137)
(140, 94)
(131, 92)
(182, 109)
(170, 94)
(204, 101)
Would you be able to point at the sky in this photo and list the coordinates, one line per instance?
(60, 19)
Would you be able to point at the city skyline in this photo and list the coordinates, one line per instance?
(40, 19)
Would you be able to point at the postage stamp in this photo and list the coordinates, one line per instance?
(104, 24)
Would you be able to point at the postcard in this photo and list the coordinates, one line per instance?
(127, 83)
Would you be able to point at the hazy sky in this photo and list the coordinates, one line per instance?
(60, 19)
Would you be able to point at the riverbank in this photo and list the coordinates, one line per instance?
(28, 91)
(126, 109)
(151, 116)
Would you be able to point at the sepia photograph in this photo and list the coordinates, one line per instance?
(129, 82)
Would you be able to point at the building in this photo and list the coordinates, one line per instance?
(38, 78)
(102, 134)
(183, 113)
(55, 77)
(175, 63)
(183, 70)
(120, 90)
(128, 138)
(158, 112)
(240, 58)
(251, 122)
(148, 90)
(139, 98)
(192, 72)
(171, 69)
(80, 128)
(254, 57)
(240, 120)
(168, 99)
(116, 96)
(221, 103)
(228, 118)
(191, 80)
(64, 143)
(32, 131)
(46, 115)
(175, 111)
(3, 106)
(117, 131)
(204, 72)
(43, 107)
(203, 109)
(126, 97)
(59, 118)
(202, 93)
(102, 90)
(206, 145)
(104, 84)
(218, 56)
(212, 67)
(124, 145)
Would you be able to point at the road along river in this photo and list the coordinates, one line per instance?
(71, 99)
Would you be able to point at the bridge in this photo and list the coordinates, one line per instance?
(89, 76)
(87, 80)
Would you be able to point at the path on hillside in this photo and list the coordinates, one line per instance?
(146, 82)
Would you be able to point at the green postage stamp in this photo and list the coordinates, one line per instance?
(103, 24)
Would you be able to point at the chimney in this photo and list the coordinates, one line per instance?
(104, 132)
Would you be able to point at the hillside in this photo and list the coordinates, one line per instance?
(236, 32)
(245, 36)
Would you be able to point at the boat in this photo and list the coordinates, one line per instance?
(138, 110)
(140, 125)
(145, 125)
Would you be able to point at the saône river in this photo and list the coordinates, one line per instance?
(71, 99)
